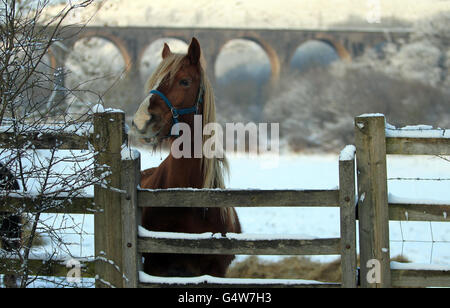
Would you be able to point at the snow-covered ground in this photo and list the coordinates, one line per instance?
(420, 242)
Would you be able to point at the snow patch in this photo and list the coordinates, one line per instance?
(416, 131)
(145, 278)
(142, 232)
(363, 197)
(128, 153)
(348, 153)
(419, 267)
(392, 198)
(371, 115)
(99, 108)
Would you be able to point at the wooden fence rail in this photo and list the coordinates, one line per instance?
(417, 146)
(49, 136)
(237, 197)
(77, 205)
(120, 241)
(240, 245)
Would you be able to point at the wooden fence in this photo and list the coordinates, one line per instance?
(134, 244)
(373, 142)
(120, 242)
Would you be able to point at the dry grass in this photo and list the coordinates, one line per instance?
(287, 268)
(290, 268)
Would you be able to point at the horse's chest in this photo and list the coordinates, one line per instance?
(181, 220)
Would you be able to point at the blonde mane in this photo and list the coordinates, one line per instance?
(213, 169)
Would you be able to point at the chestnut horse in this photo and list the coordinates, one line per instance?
(178, 90)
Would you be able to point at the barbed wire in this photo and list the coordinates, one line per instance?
(417, 179)
(442, 157)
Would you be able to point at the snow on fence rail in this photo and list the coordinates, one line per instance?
(417, 140)
(119, 205)
(149, 281)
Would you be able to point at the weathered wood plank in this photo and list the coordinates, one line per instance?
(347, 191)
(244, 198)
(109, 130)
(420, 278)
(326, 246)
(419, 212)
(53, 268)
(131, 218)
(38, 140)
(417, 146)
(78, 205)
(373, 212)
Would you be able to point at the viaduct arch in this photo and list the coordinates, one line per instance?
(279, 45)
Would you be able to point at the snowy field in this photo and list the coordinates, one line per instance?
(420, 242)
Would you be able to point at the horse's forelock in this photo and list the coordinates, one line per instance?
(168, 67)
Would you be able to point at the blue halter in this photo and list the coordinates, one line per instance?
(177, 112)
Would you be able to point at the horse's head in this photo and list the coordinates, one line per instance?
(175, 94)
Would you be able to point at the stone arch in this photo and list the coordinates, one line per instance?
(116, 41)
(340, 49)
(158, 43)
(96, 70)
(271, 53)
(268, 50)
(243, 71)
(314, 53)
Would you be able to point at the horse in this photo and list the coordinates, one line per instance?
(178, 90)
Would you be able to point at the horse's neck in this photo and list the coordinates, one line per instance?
(173, 173)
(177, 172)
(184, 172)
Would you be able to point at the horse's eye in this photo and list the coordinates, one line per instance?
(184, 83)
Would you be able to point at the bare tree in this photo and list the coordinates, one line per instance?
(34, 181)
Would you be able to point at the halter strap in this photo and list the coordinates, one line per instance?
(177, 112)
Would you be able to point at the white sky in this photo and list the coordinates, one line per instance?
(255, 13)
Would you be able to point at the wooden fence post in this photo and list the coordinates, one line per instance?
(373, 211)
(109, 134)
(348, 216)
(131, 218)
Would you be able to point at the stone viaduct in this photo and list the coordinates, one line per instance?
(279, 45)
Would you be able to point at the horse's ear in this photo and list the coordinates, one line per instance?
(194, 52)
(166, 51)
